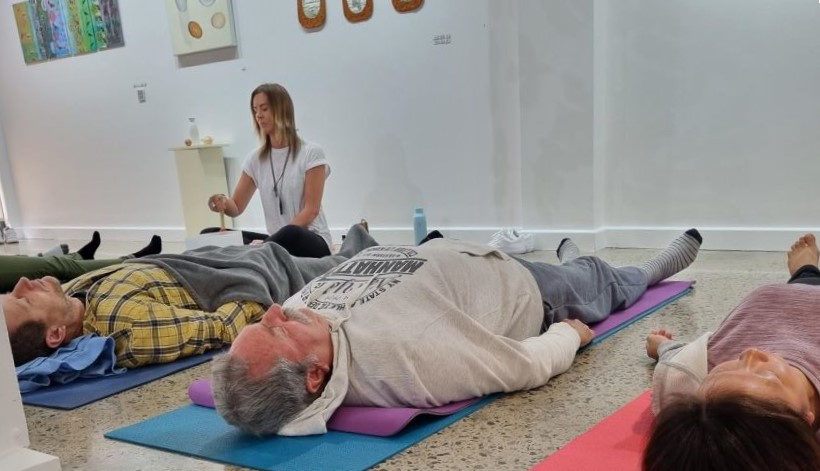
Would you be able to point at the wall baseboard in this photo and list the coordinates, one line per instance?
(588, 240)
(769, 239)
(776, 239)
(142, 234)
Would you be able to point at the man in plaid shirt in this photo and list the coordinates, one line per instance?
(162, 308)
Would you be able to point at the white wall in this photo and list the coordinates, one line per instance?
(10, 209)
(618, 124)
(556, 77)
(403, 122)
(711, 112)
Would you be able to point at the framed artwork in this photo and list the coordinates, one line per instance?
(312, 13)
(200, 25)
(357, 10)
(53, 29)
(403, 6)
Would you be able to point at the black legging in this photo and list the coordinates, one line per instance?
(807, 275)
(297, 240)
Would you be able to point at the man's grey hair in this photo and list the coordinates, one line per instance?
(260, 406)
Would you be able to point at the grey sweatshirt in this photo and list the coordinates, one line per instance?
(429, 325)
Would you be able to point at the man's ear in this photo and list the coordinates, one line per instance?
(809, 417)
(317, 372)
(55, 336)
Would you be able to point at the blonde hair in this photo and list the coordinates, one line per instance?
(283, 117)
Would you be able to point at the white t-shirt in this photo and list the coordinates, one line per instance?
(291, 185)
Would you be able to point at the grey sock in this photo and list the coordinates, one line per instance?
(567, 251)
(55, 251)
(674, 258)
(356, 240)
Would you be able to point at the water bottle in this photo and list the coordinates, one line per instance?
(419, 225)
(193, 132)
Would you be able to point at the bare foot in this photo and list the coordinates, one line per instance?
(803, 252)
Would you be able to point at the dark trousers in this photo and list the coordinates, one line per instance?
(807, 275)
(297, 240)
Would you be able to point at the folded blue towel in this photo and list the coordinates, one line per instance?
(88, 356)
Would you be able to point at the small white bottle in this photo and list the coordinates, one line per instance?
(193, 132)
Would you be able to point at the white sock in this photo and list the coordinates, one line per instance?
(55, 251)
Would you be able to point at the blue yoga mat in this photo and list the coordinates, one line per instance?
(201, 432)
(85, 391)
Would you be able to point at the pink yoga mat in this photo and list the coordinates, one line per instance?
(615, 444)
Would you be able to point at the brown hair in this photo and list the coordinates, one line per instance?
(730, 433)
(28, 342)
(283, 116)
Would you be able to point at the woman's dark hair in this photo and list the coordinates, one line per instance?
(28, 342)
(730, 433)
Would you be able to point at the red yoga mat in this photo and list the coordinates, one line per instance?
(615, 444)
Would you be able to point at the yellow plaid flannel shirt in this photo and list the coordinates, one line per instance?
(152, 317)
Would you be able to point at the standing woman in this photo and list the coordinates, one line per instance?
(290, 174)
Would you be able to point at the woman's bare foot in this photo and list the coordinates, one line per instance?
(803, 252)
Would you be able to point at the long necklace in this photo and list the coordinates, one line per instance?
(280, 180)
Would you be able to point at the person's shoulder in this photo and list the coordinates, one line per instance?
(312, 155)
(311, 149)
(252, 160)
(679, 371)
(693, 354)
(253, 155)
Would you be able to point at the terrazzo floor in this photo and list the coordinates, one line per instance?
(513, 433)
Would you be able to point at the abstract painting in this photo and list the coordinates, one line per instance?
(200, 25)
(53, 29)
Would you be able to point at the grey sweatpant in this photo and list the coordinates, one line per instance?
(586, 288)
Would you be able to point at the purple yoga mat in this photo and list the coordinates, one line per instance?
(384, 422)
(655, 296)
(201, 394)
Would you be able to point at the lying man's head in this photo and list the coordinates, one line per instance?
(40, 318)
(726, 433)
(274, 370)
